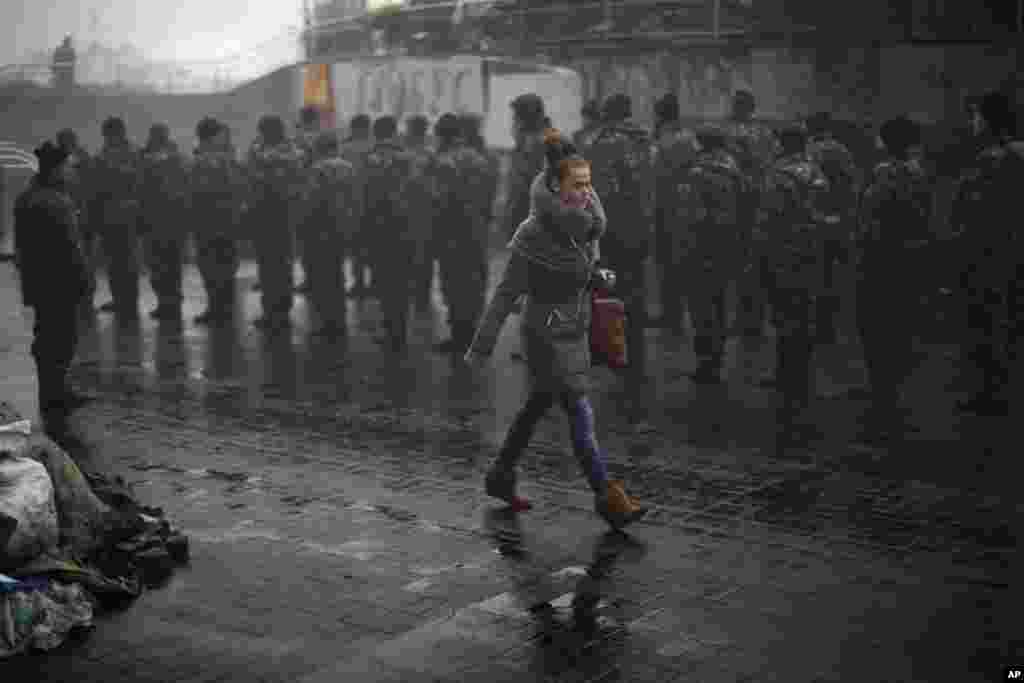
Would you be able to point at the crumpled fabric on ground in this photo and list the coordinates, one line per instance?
(126, 585)
(27, 509)
(84, 520)
(42, 618)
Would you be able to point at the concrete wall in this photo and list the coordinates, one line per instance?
(866, 83)
(28, 116)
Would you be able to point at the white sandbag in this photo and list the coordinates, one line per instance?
(26, 497)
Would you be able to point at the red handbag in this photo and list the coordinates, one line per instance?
(608, 331)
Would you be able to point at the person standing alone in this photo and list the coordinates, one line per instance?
(54, 280)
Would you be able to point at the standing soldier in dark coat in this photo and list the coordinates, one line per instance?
(527, 159)
(276, 172)
(471, 126)
(708, 245)
(754, 146)
(790, 239)
(327, 230)
(677, 150)
(894, 216)
(986, 229)
(305, 139)
(463, 192)
(423, 206)
(354, 149)
(116, 210)
(215, 193)
(162, 191)
(836, 161)
(591, 114)
(79, 184)
(622, 160)
(54, 278)
(389, 171)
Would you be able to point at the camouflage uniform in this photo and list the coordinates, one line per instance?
(327, 231)
(894, 214)
(755, 148)
(464, 190)
(424, 210)
(986, 232)
(304, 140)
(791, 235)
(276, 174)
(836, 161)
(54, 279)
(677, 150)
(215, 193)
(355, 151)
(708, 249)
(116, 211)
(386, 216)
(80, 188)
(527, 162)
(162, 190)
(622, 167)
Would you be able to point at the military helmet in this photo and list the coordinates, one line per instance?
(710, 138)
(385, 127)
(271, 128)
(113, 127)
(617, 108)
(326, 144)
(900, 134)
(447, 127)
(529, 111)
(208, 128)
(416, 126)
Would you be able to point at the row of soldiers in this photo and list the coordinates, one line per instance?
(772, 215)
(394, 205)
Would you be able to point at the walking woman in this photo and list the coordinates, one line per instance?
(553, 263)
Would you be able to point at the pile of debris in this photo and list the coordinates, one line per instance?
(70, 543)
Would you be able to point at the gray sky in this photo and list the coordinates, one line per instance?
(186, 30)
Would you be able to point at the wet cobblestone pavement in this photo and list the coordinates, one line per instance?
(333, 496)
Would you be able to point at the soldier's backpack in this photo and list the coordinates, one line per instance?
(389, 173)
(623, 176)
(709, 196)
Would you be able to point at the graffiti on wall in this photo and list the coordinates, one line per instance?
(408, 87)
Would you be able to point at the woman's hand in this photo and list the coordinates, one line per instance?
(606, 278)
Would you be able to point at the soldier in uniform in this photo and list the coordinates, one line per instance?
(354, 149)
(527, 159)
(708, 243)
(54, 279)
(622, 163)
(986, 233)
(276, 172)
(116, 210)
(471, 126)
(591, 114)
(327, 229)
(463, 192)
(754, 146)
(79, 185)
(162, 190)
(386, 209)
(305, 139)
(894, 216)
(836, 161)
(677, 150)
(424, 208)
(215, 193)
(790, 240)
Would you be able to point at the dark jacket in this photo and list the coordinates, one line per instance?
(48, 247)
(556, 320)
